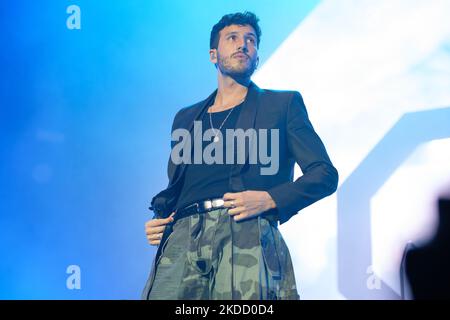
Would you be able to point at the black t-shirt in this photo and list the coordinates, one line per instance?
(206, 181)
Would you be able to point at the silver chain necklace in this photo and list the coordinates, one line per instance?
(216, 138)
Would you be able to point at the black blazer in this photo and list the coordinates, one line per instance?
(266, 109)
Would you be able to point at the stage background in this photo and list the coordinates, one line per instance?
(86, 111)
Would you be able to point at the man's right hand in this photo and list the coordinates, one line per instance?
(154, 229)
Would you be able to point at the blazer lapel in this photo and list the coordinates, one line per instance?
(246, 120)
(179, 170)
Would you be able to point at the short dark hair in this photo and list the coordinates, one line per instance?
(234, 18)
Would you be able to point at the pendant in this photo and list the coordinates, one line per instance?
(216, 139)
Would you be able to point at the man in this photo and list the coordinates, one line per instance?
(216, 222)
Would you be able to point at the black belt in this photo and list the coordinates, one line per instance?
(199, 207)
(210, 205)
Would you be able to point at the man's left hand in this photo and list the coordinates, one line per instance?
(247, 204)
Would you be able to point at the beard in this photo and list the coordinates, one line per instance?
(235, 67)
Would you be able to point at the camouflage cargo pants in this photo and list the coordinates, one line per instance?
(211, 256)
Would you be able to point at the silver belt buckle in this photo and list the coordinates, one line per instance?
(217, 203)
(207, 204)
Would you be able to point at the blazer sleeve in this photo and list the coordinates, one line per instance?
(320, 177)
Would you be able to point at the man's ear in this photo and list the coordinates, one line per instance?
(213, 55)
